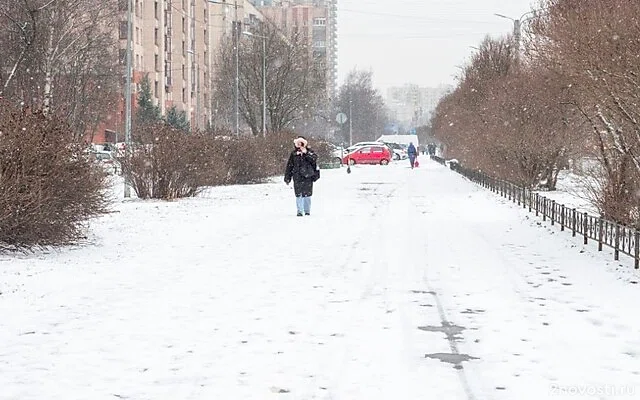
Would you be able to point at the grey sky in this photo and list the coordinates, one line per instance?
(417, 41)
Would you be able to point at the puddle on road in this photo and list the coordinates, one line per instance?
(423, 292)
(470, 311)
(452, 331)
(450, 358)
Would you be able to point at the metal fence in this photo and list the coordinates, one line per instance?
(621, 238)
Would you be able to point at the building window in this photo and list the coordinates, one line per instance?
(123, 56)
(184, 25)
(155, 89)
(184, 95)
(157, 62)
(319, 22)
(320, 44)
(137, 35)
(156, 36)
(156, 10)
(123, 5)
(184, 49)
(123, 29)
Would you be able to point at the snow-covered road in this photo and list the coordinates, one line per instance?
(402, 285)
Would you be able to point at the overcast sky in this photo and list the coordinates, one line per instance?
(417, 41)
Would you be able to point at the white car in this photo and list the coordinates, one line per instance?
(337, 153)
(399, 151)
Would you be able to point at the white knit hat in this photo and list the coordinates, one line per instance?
(299, 141)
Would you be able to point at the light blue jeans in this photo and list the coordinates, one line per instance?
(303, 203)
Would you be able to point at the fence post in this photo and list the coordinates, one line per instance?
(553, 212)
(530, 199)
(537, 204)
(585, 227)
(544, 208)
(562, 218)
(524, 197)
(637, 248)
(509, 190)
(600, 233)
(516, 193)
(573, 222)
(616, 251)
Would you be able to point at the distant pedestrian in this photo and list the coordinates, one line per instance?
(412, 153)
(302, 167)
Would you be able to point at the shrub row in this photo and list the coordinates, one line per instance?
(49, 187)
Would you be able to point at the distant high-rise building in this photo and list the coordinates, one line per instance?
(317, 21)
(414, 105)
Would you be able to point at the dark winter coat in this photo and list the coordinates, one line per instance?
(411, 151)
(303, 169)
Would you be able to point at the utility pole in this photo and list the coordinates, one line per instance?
(127, 100)
(236, 42)
(350, 135)
(264, 86)
(197, 87)
(350, 123)
(264, 79)
(236, 34)
(517, 28)
(517, 37)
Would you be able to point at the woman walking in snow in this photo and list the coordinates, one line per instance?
(303, 169)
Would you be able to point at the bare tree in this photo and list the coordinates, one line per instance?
(508, 118)
(62, 57)
(594, 46)
(295, 82)
(358, 97)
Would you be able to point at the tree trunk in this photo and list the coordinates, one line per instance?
(48, 79)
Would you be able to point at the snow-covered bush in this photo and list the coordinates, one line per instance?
(165, 162)
(250, 160)
(49, 187)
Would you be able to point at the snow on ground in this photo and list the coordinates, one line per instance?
(573, 191)
(403, 284)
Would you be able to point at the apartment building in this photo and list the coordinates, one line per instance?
(316, 20)
(175, 43)
(414, 105)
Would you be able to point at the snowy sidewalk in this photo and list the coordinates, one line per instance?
(230, 296)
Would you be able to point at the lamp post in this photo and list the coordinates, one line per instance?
(127, 100)
(517, 25)
(264, 80)
(196, 84)
(236, 37)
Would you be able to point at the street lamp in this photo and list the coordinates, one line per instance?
(196, 84)
(236, 38)
(127, 100)
(517, 24)
(264, 80)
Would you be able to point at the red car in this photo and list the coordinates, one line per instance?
(369, 155)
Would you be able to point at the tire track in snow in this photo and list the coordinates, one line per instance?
(367, 243)
(423, 245)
